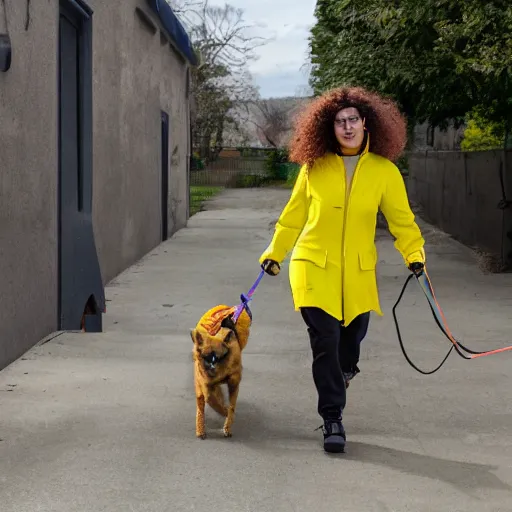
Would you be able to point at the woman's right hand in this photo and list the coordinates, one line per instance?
(271, 267)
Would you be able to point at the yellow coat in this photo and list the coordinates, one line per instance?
(334, 258)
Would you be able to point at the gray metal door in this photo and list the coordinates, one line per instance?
(81, 294)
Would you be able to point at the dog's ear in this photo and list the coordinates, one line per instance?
(228, 336)
(197, 339)
(228, 323)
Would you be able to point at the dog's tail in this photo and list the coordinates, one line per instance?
(217, 402)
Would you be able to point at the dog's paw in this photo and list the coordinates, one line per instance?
(201, 436)
(227, 433)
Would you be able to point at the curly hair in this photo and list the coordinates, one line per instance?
(314, 129)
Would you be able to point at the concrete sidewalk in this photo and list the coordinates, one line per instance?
(106, 422)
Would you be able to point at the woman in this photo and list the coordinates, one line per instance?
(345, 141)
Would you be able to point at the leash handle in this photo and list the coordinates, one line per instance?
(247, 298)
(399, 335)
(428, 289)
(425, 284)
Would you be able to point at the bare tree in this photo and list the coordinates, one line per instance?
(226, 43)
(222, 36)
(270, 121)
(273, 121)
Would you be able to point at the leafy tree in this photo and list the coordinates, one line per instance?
(482, 42)
(438, 58)
(481, 134)
(221, 81)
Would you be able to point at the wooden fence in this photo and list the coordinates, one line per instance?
(227, 171)
(467, 195)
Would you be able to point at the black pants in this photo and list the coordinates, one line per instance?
(335, 350)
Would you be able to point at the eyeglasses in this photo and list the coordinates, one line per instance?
(352, 121)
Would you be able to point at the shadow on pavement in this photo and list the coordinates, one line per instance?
(263, 431)
(463, 475)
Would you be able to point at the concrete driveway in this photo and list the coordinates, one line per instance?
(106, 422)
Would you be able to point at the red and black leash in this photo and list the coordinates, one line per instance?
(423, 280)
(418, 272)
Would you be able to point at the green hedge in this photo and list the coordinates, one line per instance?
(274, 163)
(293, 172)
(279, 168)
(288, 169)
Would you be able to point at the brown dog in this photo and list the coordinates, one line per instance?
(217, 354)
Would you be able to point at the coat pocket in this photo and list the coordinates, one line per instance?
(368, 259)
(316, 256)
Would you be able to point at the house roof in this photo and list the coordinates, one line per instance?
(175, 29)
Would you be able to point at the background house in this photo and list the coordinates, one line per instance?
(94, 153)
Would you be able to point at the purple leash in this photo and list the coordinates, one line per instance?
(247, 298)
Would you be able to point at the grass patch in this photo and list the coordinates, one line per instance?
(199, 194)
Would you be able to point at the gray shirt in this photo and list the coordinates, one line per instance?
(350, 165)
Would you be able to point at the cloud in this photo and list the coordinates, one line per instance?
(279, 70)
(281, 83)
(288, 50)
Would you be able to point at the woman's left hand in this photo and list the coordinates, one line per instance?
(417, 267)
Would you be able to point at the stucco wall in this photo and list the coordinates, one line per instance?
(28, 180)
(173, 94)
(136, 73)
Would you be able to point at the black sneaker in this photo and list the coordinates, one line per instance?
(334, 435)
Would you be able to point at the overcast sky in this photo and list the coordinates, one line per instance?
(281, 69)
